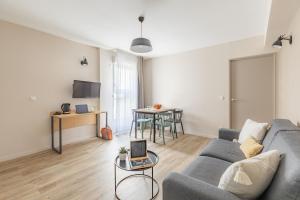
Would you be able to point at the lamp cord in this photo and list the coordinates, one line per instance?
(141, 29)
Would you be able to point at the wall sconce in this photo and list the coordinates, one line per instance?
(278, 42)
(84, 61)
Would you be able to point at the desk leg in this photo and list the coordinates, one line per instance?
(174, 120)
(97, 125)
(52, 132)
(60, 136)
(154, 126)
(135, 125)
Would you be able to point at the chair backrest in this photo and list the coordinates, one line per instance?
(285, 185)
(165, 116)
(133, 114)
(139, 115)
(178, 115)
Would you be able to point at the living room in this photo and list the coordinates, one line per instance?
(149, 99)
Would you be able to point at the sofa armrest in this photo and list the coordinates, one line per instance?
(228, 134)
(180, 187)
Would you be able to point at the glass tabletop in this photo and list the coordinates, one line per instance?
(124, 164)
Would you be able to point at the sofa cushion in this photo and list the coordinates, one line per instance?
(286, 182)
(249, 178)
(251, 148)
(253, 129)
(207, 169)
(223, 149)
(277, 126)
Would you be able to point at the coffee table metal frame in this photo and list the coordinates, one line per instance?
(126, 168)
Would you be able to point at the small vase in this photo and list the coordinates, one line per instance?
(122, 156)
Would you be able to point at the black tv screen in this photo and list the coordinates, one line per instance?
(86, 89)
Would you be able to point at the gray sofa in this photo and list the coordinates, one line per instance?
(199, 181)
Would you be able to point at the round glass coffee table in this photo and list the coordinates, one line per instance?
(125, 165)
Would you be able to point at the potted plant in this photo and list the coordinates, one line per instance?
(123, 153)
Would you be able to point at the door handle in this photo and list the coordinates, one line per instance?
(234, 99)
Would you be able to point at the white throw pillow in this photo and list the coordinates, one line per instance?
(253, 129)
(249, 178)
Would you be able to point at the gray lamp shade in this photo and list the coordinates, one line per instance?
(141, 45)
(277, 43)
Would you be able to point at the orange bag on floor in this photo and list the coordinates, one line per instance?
(106, 133)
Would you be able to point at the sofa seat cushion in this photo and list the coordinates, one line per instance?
(207, 169)
(223, 149)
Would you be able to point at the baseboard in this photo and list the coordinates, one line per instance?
(41, 149)
(202, 134)
(207, 135)
(73, 141)
(22, 154)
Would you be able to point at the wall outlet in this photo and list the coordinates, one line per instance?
(222, 98)
(33, 98)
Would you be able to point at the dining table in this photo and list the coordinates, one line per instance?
(154, 112)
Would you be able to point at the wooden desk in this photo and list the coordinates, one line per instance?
(153, 112)
(65, 121)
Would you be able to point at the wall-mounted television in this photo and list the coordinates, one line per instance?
(86, 89)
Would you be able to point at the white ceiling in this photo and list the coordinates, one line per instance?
(172, 25)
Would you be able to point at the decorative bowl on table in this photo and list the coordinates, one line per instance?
(157, 106)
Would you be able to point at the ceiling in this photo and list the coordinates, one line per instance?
(172, 25)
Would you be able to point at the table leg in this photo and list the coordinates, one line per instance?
(115, 174)
(174, 121)
(152, 182)
(154, 127)
(52, 132)
(135, 125)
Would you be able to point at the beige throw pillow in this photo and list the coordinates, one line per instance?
(253, 129)
(250, 177)
(251, 148)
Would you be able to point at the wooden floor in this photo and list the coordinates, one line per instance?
(85, 170)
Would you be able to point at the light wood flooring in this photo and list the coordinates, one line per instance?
(85, 170)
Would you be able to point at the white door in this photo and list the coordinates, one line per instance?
(252, 86)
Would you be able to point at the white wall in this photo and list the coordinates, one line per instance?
(195, 81)
(38, 64)
(288, 73)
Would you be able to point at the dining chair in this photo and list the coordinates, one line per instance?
(162, 123)
(178, 119)
(142, 122)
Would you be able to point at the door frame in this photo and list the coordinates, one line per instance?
(274, 79)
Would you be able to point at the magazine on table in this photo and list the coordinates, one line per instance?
(143, 163)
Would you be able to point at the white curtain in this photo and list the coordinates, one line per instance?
(140, 66)
(125, 78)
